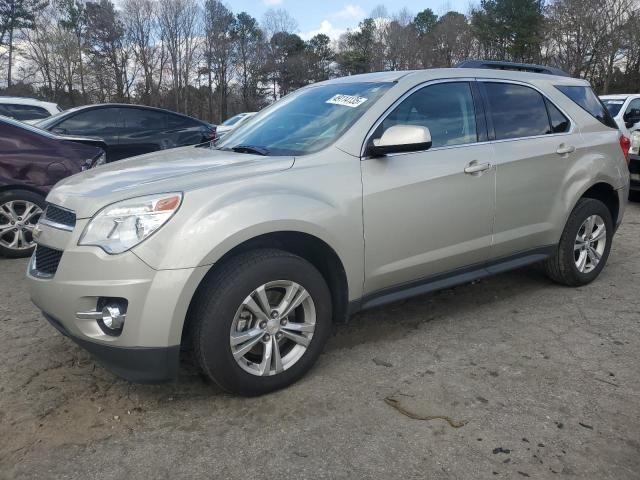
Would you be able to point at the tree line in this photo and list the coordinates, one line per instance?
(201, 58)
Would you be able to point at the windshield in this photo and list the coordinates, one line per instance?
(613, 105)
(305, 121)
(233, 120)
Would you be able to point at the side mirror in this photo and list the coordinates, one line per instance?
(401, 138)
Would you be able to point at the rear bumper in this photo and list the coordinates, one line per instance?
(136, 364)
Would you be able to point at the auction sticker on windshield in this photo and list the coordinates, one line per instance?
(347, 100)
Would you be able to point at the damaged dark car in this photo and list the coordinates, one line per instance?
(32, 161)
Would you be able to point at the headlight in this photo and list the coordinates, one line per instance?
(123, 225)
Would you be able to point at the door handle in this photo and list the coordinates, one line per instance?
(565, 149)
(475, 167)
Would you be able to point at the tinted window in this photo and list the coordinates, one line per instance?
(559, 123)
(446, 109)
(26, 112)
(517, 111)
(90, 121)
(178, 121)
(588, 101)
(613, 105)
(633, 105)
(142, 120)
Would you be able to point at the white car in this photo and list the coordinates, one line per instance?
(27, 110)
(625, 110)
(233, 123)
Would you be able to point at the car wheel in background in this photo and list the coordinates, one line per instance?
(261, 321)
(20, 211)
(584, 246)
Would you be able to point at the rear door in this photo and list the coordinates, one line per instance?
(535, 145)
(145, 131)
(423, 214)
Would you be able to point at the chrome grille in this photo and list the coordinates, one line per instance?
(60, 215)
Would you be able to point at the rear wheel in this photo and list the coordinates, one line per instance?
(20, 211)
(261, 322)
(584, 246)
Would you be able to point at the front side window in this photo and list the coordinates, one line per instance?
(92, 121)
(305, 121)
(446, 109)
(516, 111)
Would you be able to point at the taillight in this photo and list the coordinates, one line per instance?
(625, 145)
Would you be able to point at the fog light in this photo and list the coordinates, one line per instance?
(112, 317)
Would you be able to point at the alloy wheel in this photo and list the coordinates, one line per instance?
(590, 244)
(272, 328)
(18, 218)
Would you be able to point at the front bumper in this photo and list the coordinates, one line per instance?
(136, 364)
(147, 350)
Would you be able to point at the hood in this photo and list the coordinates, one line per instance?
(175, 170)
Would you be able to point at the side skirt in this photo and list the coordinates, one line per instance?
(450, 279)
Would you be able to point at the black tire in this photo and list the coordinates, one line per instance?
(218, 300)
(19, 195)
(561, 267)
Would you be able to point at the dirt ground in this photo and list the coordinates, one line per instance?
(528, 379)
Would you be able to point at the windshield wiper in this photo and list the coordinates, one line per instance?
(250, 149)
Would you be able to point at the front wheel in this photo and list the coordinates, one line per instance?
(261, 322)
(584, 246)
(20, 211)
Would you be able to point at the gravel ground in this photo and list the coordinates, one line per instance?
(526, 379)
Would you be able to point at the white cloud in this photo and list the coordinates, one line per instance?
(350, 11)
(325, 27)
(271, 3)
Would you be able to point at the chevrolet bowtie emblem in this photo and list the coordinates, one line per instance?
(36, 232)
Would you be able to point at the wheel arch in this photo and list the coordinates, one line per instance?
(310, 247)
(607, 194)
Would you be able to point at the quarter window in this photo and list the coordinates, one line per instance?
(559, 123)
(446, 109)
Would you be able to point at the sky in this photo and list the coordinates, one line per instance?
(334, 17)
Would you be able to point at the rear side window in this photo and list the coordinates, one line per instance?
(517, 111)
(178, 121)
(143, 120)
(587, 100)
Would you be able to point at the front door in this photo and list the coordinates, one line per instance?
(424, 214)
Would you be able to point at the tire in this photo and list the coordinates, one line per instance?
(13, 204)
(220, 311)
(562, 266)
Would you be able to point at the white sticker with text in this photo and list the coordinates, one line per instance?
(347, 100)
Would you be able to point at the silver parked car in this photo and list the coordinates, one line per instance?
(342, 196)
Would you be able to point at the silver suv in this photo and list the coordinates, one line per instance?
(342, 196)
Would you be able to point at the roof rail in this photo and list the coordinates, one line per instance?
(522, 67)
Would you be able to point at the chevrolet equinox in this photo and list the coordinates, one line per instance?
(342, 196)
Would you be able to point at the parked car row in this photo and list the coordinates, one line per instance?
(246, 253)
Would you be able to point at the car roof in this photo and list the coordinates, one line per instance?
(24, 101)
(619, 96)
(130, 105)
(441, 73)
